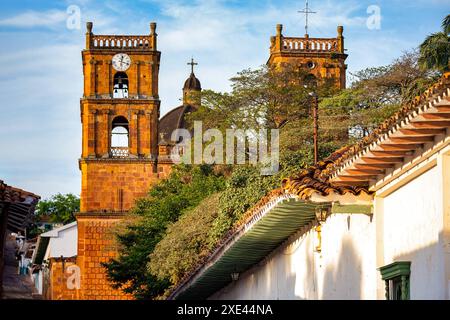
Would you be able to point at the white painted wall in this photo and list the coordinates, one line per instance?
(413, 224)
(345, 268)
(63, 241)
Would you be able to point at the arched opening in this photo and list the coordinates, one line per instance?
(120, 89)
(119, 137)
(310, 81)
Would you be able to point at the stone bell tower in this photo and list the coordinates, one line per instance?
(119, 116)
(322, 58)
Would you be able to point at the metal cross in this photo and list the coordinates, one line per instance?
(192, 64)
(306, 11)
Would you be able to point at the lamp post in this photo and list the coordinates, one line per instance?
(315, 110)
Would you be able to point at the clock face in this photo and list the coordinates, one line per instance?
(121, 62)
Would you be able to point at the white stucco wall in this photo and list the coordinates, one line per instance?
(413, 224)
(63, 242)
(344, 269)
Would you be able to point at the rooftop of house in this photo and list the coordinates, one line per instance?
(21, 205)
(414, 128)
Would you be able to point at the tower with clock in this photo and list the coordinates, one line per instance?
(118, 163)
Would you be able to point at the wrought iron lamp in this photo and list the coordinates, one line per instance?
(235, 276)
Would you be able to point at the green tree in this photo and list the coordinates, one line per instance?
(374, 95)
(435, 50)
(260, 98)
(182, 191)
(185, 242)
(60, 208)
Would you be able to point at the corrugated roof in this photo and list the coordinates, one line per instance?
(248, 245)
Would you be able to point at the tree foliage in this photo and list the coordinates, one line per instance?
(60, 208)
(261, 98)
(186, 241)
(435, 50)
(375, 95)
(184, 189)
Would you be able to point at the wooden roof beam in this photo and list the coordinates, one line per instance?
(392, 160)
(364, 172)
(347, 178)
(436, 116)
(443, 107)
(399, 147)
(350, 183)
(430, 124)
(411, 140)
(421, 132)
(386, 153)
(375, 166)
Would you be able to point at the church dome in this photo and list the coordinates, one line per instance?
(192, 83)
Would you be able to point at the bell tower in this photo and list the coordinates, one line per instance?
(119, 116)
(322, 58)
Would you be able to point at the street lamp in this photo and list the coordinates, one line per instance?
(315, 107)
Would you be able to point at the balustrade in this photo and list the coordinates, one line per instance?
(310, 44)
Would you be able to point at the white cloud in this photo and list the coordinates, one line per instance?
(42, 76)
(31, 19)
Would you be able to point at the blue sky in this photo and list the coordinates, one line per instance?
(41, 83)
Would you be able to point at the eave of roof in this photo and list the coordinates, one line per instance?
(263, 231)
(20, 205)
(417, 126)
(55, 232)
(41, 248)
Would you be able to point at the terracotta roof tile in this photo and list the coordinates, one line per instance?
(413, 106)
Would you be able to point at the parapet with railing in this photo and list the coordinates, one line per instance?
(312, 44)
(124, 42)
(306, 44)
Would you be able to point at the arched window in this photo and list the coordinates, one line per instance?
(120, 89)
(119, 137)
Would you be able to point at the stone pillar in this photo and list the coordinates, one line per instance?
(150, 131)
(93, 84)
(139, 119)
(110, 78)
(340, 37)
(151, 79)
(153, 35)
(89, 35)
(279, 38)
(109, 128)
(133, 134)
(92, 133)
(138, 77)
